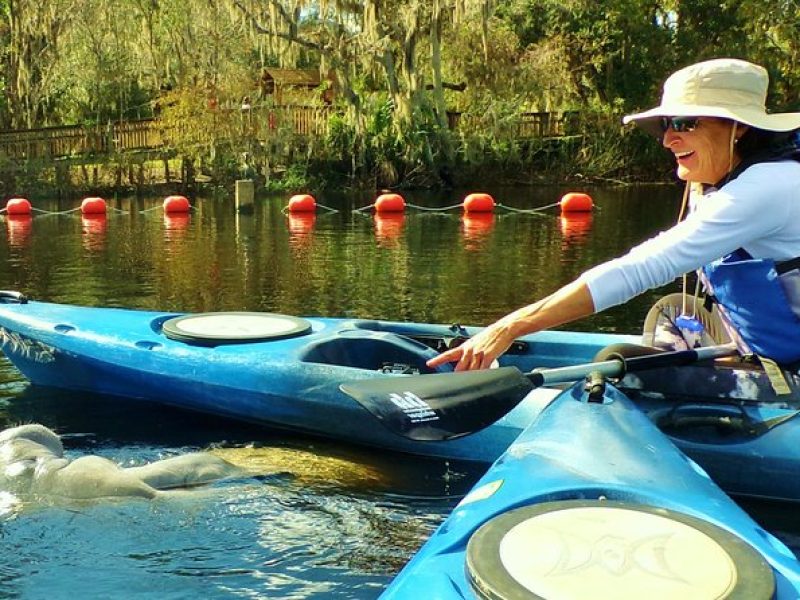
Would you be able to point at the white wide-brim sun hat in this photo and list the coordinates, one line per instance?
(724, 87)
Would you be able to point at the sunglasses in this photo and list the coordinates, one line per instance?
(679, 124)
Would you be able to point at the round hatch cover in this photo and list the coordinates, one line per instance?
(608, 550)
(234, 327)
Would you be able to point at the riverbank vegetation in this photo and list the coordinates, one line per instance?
(415, 93)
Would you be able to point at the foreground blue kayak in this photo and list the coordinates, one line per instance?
(593, 501)
(288, 372)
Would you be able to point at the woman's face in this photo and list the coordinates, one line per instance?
(702, 154)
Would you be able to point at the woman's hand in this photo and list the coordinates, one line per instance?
(479, 351)
(571, 302)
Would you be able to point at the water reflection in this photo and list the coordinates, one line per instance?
(475, 228)
(19, 229)
(389, 227)
(301, 226)
(175, 224)
(575, 227)
(93, 227)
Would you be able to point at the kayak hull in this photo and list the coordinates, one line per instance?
(596, 454)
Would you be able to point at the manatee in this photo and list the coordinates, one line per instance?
(32, 462)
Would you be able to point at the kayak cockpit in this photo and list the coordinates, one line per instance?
(371, 350)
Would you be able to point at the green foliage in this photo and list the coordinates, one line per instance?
(296, 177)
(190, 63)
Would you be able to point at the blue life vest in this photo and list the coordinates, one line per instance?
(749, 290)
(754, 301)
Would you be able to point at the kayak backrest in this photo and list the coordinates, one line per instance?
(370, 350)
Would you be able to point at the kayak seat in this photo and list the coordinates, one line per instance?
(370, 350)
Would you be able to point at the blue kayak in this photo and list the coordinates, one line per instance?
(593, 501)
(275, 370)
(288, 372)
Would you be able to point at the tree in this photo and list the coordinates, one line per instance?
(372, 46)
(34, 31)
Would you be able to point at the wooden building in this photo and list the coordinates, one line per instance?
(296, 86)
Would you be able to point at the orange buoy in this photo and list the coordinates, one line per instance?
(176, 204)
(93, 206)
(576, 202)
(300, 203)
(387, 203)
(478, 202)
(18, 206)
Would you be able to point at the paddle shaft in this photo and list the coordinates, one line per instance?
(617, 367)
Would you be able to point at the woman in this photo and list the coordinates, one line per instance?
(742, 178)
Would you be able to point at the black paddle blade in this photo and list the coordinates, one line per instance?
(441, 406)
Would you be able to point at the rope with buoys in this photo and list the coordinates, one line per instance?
(394, 203)
(571, 202)
(478, 202)
(305, 203)
(174, 204)
(91, 205)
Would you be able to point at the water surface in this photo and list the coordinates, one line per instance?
(325, 519)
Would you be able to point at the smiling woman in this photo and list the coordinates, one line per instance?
(741, 166)
(704, 147)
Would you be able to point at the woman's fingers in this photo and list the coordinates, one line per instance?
(476, 353)
(451, 355)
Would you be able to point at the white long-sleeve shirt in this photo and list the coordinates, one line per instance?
(758, 211)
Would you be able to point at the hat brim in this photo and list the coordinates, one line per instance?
(650, 119)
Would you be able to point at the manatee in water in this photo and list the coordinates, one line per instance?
(307, 467)
(32, 462)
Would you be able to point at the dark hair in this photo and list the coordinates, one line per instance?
(759, 144)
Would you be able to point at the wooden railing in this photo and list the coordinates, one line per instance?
(261, 122)
(76, 140)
